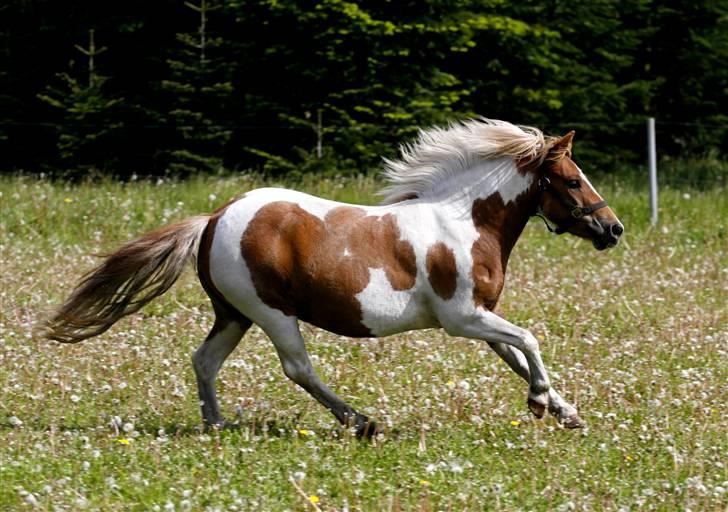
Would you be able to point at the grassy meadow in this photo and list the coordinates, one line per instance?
(637, 337)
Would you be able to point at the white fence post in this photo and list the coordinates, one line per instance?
(652, 164)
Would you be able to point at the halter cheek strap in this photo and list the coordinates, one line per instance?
(577, 212)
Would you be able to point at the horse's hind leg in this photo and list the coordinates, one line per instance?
(564, 412)
(225, 335)
(287, 339)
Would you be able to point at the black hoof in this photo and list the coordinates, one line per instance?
(219, 425)
(367, 429)
(573, 421)
(536, 408)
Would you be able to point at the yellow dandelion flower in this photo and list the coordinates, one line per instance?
(314, 499)
(628, 458)
(425, 483)
(123, 441)
(515, 423)
(303, 432)
(68, 200)
(451, 383)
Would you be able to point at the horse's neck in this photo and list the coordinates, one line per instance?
(496, 197)
(496, 202)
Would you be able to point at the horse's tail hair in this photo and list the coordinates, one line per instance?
(129, 278)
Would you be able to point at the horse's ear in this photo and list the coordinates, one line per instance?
(563, 145)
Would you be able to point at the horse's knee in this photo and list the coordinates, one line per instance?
(298, 372)
(197, 360)
(203, 366)
(528, 342)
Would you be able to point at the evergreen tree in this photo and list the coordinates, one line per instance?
(198, 94)
(335, 84)
(89, 119)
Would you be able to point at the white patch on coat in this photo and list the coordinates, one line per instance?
(480, 182)
(387, 311)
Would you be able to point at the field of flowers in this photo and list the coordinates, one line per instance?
(635, 336)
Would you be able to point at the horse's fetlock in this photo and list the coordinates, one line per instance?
(540, 387)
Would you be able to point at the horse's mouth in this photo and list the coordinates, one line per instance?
(605, 235)
(606, 242)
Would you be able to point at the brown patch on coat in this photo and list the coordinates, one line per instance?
(442, 271)
(499, 226)
(298, 266)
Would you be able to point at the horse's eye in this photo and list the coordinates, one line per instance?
(573, 184)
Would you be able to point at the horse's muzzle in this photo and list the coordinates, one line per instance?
(607, 234)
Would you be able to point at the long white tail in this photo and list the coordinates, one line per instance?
(137, 273)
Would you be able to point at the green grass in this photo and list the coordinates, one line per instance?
(635, 336)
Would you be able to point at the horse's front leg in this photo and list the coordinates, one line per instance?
(564, 412)
(486, 325)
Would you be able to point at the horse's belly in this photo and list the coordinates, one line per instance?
(388, 311)
(339, 304)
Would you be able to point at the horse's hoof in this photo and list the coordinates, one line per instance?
(220, 425)
(367, 430)
(212, 427)
(536, 408)
(573, 421)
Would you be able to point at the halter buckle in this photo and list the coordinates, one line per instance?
(577, 212)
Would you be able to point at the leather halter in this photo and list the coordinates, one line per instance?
(577, 212)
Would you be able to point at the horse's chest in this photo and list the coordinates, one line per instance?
(488, 272)
(487, 285)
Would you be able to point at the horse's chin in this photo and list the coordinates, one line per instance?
(601, 244)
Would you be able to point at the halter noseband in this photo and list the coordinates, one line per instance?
(577, 212)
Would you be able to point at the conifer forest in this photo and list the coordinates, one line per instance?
(173, 87)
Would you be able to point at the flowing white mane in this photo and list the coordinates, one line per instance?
(440, 153)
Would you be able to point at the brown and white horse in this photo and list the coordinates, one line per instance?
(434, 254)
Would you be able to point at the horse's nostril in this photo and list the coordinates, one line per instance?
(617, 229)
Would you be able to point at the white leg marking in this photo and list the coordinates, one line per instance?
(558, 407)
(488, 326)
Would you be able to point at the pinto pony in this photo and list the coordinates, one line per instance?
(433, 255)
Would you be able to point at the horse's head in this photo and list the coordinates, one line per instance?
(569, 200)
